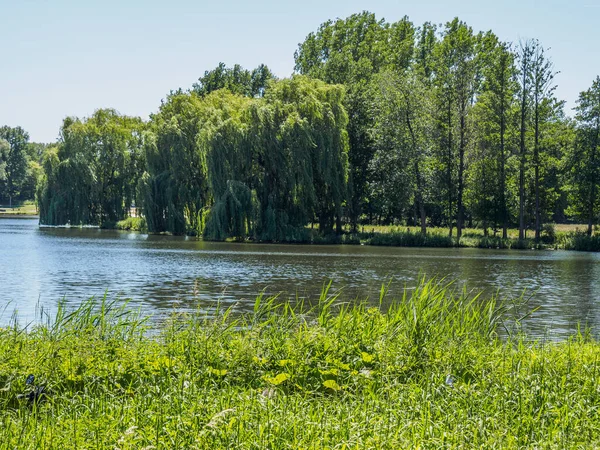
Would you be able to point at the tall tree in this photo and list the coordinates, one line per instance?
(402, 137)
(585, 159)
(456, 78)
(350, 51)
(496, 105)
(175, 186)
(4, 151)
(91, 177)
(277, 163)
(542, 88)
(236, 79)
(16, 162)
(525, 63)
(224, 139)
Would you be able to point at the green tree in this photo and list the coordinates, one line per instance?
(36, 150)
(456, 71)
(351, 51)
(91, 177)
(32, 178)
(542, 88)
(494, 111)
(236, 79)
(403, 138)
(231, 168)
(525, 63)
(585, 158)
(277, 163)
(16, 161)
(4, 151)
(174, 186)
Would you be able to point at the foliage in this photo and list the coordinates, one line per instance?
(489, 197)
(351, 51)
(132, 224)
(4, 152)
(583, 162)
(91, 176)
(13, 161)
(428, 371)
(174, 186)
(402, 135)
(278, 163)
(236, 79)
(436, 126)
(582, 242)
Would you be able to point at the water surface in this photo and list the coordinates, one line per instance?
(41, 266)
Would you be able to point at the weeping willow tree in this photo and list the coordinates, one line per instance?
(303, 131)
(91, 176)
(252, 167)
(278, 163)
(225, 141)
(174, 186)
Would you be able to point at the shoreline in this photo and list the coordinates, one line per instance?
(4, 215)
(319, 371)
(571, 241)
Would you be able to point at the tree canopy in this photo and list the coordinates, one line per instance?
(382, 123)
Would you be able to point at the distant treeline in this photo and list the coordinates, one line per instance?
(20, 167)
(382, 123)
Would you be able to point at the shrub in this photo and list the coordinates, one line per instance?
(132, 224)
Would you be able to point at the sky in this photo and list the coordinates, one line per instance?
(64, 58)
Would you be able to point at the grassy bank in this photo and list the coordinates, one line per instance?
(566, 237)
(19, 209)
(429, 372)
(554, 237)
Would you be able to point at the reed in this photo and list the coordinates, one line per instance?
(429, 371)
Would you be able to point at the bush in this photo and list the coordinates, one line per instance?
(410, 239)
(132, 224)
(582, 242)
(548, 234)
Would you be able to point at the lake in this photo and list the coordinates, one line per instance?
(41, 266)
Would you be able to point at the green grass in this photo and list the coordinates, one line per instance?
(132, 224)
(581, 242)
(19, 209)
(337, 375)
(553, 237)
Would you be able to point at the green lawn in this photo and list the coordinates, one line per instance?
(513, 233)
(26, 208)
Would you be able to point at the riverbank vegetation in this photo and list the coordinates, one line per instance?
(428, 371)
(20, 167)
(381, 124)
(26, 208)
(553, 237)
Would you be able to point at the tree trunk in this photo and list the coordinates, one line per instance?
(524, 93)
(503, 206)
(461, 169)
(522, 171)
(419, 180)
(338, 224)
(592, 200)
(536, 162)
(449, 169)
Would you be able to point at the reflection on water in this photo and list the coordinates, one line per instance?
(39, 266)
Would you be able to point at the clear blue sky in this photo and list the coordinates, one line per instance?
(69, 57)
